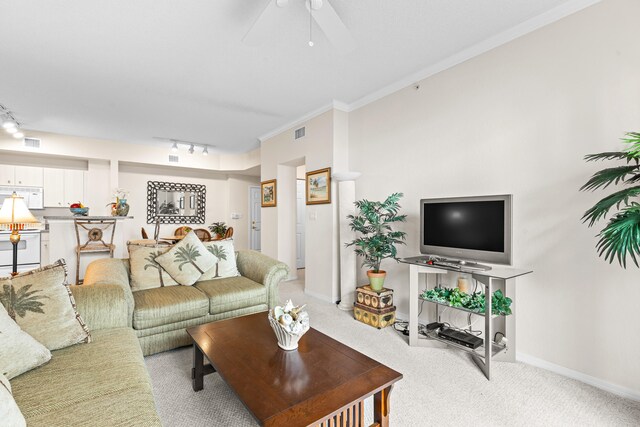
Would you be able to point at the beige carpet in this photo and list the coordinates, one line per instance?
(440, 386)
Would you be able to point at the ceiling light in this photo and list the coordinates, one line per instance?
(18, 135)
(174, 147)
(205, 152)
(191, 149)
(12, 130)
(9, 124)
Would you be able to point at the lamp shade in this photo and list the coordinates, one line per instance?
(15, 215)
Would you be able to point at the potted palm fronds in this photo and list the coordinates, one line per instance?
(620, 238)
(377, 239)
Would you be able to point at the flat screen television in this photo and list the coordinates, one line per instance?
(467, 228)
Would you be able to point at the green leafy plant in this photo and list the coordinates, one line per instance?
(620, 238)
(500, 304)
(219, 228)
(377, 239)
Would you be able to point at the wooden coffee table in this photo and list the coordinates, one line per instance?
(323, 382)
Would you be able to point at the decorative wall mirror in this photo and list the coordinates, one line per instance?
(173, 203)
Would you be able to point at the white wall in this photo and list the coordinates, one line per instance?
(518, 120)
(281, 155)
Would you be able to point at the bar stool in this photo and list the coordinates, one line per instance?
(95, 232)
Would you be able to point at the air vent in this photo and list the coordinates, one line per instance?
(173, 158)
(32, 142)
(299, 133)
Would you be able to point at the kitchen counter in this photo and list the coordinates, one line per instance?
(89, 217)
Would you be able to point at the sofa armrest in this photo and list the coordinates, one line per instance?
(111, 271)
(101, 306)
(263, 269)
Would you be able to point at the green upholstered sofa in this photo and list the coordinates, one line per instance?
(103, 383)
(159, 317)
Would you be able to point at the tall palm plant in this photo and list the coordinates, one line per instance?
(620, 238)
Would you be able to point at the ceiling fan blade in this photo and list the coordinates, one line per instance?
(333, 27)
(263, 22)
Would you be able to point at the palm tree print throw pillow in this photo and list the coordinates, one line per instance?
(187, 260)
(225, 255)
(146, 273)
(40, 302)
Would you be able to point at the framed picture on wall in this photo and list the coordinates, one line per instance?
(269, 195)
(319, 186)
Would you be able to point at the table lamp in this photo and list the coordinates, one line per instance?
(15, 216)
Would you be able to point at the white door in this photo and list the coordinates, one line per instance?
(300, 215)
(7, 174)
(28, 176)
(73, 187)
(53, 188)
(254, 218)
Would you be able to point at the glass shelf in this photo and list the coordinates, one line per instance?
(446, 304)
(479, 352)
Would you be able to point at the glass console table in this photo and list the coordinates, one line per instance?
(495, 278)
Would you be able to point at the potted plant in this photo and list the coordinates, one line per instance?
(219, 228)
(377, 239)
(620, 238)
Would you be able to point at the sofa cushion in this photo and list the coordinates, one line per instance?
(225, 265)
(159, 306)
(187, 260)
(19, 352)
(232, 293)
(42, 305)
(146, 273)
(104, 383)
(9, 412)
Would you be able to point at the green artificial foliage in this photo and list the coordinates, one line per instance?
(219, 228)
(500, 304)
(377, 239)
(620, 238)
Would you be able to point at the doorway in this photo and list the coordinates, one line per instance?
(254, 218)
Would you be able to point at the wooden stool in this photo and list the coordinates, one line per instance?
(95, 231)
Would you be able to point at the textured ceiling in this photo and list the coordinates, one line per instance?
(131, 70)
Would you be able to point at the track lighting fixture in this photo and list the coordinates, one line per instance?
(174, 147)
(8, 124)
(191, 150)
(205, 151)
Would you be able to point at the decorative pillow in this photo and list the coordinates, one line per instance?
(9, 412)
(187, 260)
(146, 273)
(19, 352)
(225, 255)
(42, 305)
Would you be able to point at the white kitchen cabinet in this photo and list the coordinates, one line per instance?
(73, 186)
(28, 176)
(7, 174)
(53, 188)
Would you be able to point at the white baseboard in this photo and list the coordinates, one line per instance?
(587, 379)
(321, 297)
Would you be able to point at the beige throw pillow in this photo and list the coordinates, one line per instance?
(42, 305)
(146, 273)
(10, 415)
(19, 352)
(225, 255)
(187, 260)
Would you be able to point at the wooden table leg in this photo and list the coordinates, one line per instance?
(381, 407)
(197, 373)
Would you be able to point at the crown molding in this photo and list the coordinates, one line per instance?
(486, 45)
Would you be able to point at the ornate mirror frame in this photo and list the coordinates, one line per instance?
(154, 216)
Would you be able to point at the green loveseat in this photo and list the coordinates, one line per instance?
(159, 317)
(103, 383)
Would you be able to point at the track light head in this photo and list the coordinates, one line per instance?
(174, 147)
(205, 151)
(191, 150)
(8, 124)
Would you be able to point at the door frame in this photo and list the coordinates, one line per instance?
(250, 219)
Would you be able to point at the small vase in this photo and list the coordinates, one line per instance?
(122, 208)
(376, 280)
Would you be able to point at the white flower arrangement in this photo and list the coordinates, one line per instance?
(289, 323)
(120, 193)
